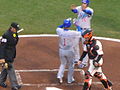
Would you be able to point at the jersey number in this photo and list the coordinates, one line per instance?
(64, 42)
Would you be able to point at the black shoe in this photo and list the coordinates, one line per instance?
(60, 80)
(3, 85)
(16, 87)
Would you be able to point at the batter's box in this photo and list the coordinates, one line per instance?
(46, 77)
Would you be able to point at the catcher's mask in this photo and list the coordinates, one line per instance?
(87, 35)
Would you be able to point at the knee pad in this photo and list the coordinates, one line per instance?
(98, 75)
(86, 86)
(88, 75)
(87, 81)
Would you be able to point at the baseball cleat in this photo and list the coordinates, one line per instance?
(73, 80)
(3, 85)
(16, 87)
(60, 80)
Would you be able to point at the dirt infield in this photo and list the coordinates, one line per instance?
(37, 63)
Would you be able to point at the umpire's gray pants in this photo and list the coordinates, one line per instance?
(11, 74)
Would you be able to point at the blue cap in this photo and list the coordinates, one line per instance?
(86, 1)
(67, 23)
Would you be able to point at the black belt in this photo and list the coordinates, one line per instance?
(85, 29)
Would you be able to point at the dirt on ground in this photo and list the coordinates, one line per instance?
(41, 53)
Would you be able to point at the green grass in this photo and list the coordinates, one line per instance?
(43, 16)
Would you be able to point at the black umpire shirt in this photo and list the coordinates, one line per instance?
(8, 44)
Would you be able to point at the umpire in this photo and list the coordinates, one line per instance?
(8, 44)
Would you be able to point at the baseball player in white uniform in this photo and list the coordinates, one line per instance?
(83, 20)
(94, 50)
(68, 40)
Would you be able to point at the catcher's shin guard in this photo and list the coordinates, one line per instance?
(106, 83)
(109, 83)
(86, 86)
(87, 81)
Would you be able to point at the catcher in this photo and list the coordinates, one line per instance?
(94, 50)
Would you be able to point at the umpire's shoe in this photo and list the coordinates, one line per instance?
(16, 87)
(3, 85)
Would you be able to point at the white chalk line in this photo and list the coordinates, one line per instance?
(43, 84)
(54, 35)
(45, 70)
(57, 84)
(19, 79)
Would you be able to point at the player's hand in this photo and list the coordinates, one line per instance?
(95, 63)
(79, 62)
(73, 6)
(2, 61)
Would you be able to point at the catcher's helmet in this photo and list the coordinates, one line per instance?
(87, 34)
(86, 1)
(67, 23)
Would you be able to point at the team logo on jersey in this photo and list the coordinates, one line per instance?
(14, 35)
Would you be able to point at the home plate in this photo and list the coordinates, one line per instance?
(52, 88)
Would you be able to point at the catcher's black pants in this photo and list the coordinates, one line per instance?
(10, 72)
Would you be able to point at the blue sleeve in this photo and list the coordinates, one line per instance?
(61, 26)
(88, 12)
(79, 28)
(75, 10)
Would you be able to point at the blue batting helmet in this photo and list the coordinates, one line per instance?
(86, 1)
(67, 23)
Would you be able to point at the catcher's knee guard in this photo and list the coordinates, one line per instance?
(98, 75)
(87, 81)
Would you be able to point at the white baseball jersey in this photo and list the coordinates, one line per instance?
(83, 20)
(68, 39)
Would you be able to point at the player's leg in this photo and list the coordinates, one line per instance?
(88, 76)
(63, 62)
(87, 81)
(99, 74)
(106, 83)
(12, 77)
(85, 59)
(3, 77)
(70, 69)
